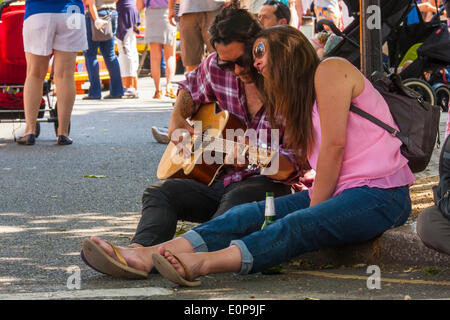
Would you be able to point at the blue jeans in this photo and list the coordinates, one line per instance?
(109, 55)
(355, 215)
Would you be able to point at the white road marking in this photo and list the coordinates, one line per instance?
(88, 294)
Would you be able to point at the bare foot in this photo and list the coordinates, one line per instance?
(135, 245)
(194, 262)
(135, 257)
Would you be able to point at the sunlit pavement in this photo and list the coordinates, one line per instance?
(52, 197)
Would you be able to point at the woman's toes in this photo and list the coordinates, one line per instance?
(105, 246)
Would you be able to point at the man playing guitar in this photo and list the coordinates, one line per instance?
(225, 77)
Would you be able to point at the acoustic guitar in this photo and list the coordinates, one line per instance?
(202, 155)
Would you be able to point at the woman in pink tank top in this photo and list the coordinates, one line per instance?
(362, 182)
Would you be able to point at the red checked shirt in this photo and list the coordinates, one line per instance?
(208, 83)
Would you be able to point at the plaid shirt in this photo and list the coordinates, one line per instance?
(208, 83)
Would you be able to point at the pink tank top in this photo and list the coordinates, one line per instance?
(372, 156)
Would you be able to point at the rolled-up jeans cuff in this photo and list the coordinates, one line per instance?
(196, 240)
(247, 258)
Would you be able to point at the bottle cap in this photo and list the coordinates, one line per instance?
(269, 194)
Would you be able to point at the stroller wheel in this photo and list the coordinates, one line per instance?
(422, 88)
(442, 95)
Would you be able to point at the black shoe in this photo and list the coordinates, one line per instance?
(63, 140)
(28, 140)
(91, 98)
(112, 97)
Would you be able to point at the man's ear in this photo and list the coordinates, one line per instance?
(282, 21)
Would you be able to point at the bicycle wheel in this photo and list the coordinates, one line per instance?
(442, 95)
(422, 88)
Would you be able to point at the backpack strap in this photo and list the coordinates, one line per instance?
(394, 132)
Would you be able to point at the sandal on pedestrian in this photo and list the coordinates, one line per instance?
(157, 94)
(96, 258)
(168, 271)
(170, 94)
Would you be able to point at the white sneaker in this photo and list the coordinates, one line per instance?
(131, 93)
(161, 134)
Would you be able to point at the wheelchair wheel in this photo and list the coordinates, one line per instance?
(442, 95)
(422, 88)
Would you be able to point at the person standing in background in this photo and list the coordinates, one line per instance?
(302, 7)
(99, 9)
(127, 25)
(252, 6)
(428, 8)
(59, 28)
(330, 10)
(294, 15)
(196, 16)
(273, 13)
(160, 34)
(323, 9)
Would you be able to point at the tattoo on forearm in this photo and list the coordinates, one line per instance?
(188, 106)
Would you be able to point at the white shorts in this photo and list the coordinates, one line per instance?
(45, 32)
(128, 54)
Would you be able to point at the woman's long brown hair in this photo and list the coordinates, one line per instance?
(289, 86)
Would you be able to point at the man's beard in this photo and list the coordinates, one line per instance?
(246, 77)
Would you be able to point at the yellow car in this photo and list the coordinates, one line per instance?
(81, 74)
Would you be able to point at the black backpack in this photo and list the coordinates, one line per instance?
(417, 120)
(442, 190)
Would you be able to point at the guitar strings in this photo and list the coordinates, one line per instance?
(265, 154)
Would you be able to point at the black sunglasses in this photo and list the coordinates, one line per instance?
(258, 51)
(242, 61)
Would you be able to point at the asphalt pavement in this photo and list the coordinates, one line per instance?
(52, 197)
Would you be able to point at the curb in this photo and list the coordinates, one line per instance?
(399, 246)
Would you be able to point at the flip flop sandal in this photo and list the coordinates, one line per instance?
(167, 270)
(96, 258)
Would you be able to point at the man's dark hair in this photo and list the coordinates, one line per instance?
(234, 24)
(282, 10)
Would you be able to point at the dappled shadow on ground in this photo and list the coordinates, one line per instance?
(38, 248)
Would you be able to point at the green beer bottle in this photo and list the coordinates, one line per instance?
(270, 217)
(269, 213)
